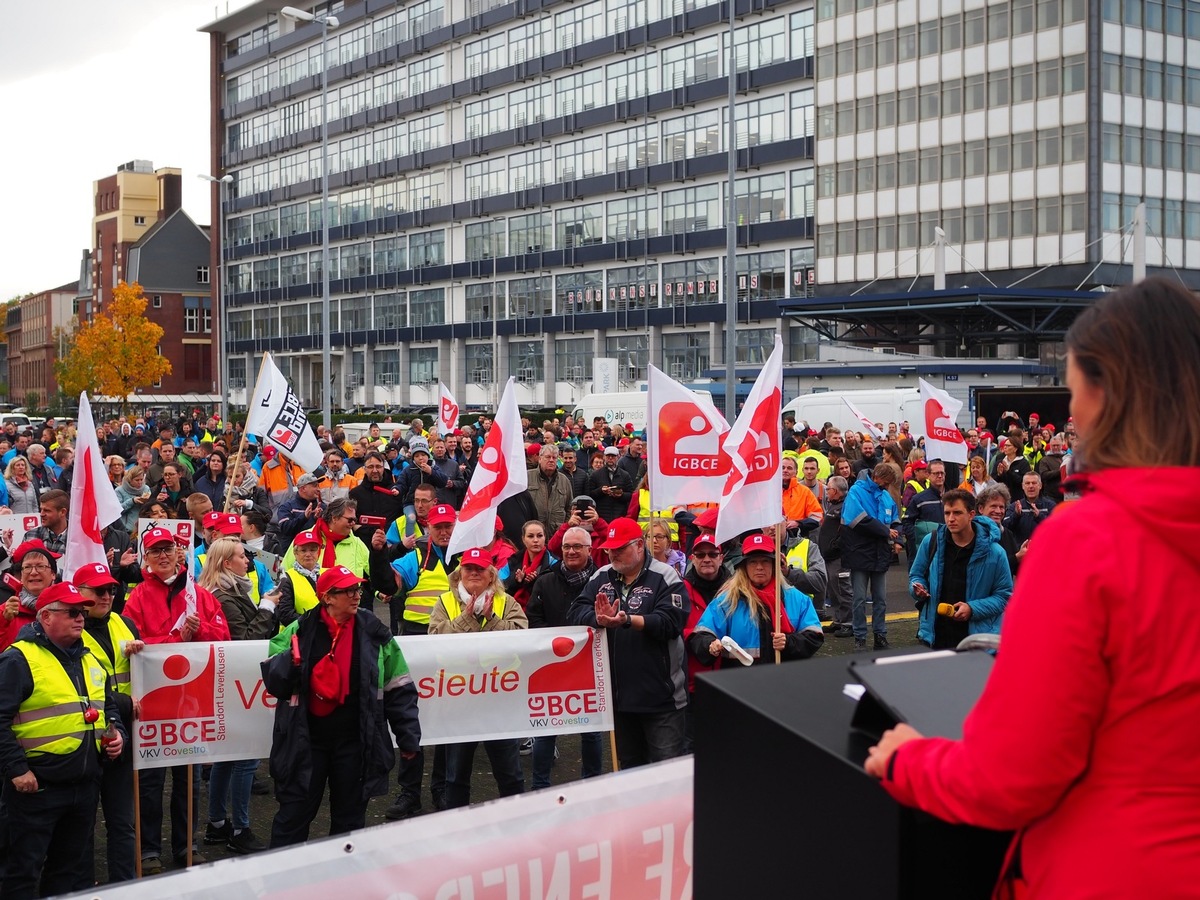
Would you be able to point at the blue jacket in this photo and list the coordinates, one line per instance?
(867, 516)
(744, 629)
(989, 581)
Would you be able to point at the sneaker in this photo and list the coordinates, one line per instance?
(527, 746)
(843, 631)
(215, 835)
(860, 645)
(259, 786)
(151, 865)
(881, 642)
(404, 807)
(245, 842)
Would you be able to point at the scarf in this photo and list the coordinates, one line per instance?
(531, 568)
(329, 542)
(311, 574)
(478, 605)
(766, 596)
(329, 681)
(580, 578)
(28, 601)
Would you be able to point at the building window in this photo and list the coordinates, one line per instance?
(356, 314)
(385, 365)
(157, 301)
(573, 359)
(526, 361)
(530, 297)
(578, 226)
(422, 365)
(485, 301)
(391, 310)
(761, 198)
(692, 209)
(632, 353)
(485, 240)
(691, 283)
(685, 356)
(202, 275)
(530, 233)
(139, 220)
(579, 292)
(427, 307)
(479, 364)
(633, 218)
(632, 287)
(428, 248)
(762, 276)
(391, 255)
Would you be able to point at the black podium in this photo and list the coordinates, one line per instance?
(783, 807)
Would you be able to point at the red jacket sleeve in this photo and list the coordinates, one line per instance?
(1029, 737)
(213, 626)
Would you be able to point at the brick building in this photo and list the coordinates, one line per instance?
(35, 341)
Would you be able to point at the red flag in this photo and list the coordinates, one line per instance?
(447, 411)
(753, 494)
(686, 461)
(94, 504)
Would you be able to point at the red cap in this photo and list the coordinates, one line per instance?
(157, 536)
(441, 514)
(707, 520)
(476, 556)
(306, 539)
(336, 577)
(33, 545)
(1049, 425)
(212, 519)
(533, 450)
(1034, 416)
(758, 543)
(65, 593)
(229, 524)
(93, 575)
(269, 452)
(706, 540)
(621, 532)
(920, 464)
(629, 426)
(623, 442)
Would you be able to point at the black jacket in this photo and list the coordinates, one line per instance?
(378, 504)
(610, 508)
(550, 598)
(291, 763)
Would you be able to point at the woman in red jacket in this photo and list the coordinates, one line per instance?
(1084, 741)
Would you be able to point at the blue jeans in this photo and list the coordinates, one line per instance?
(505, 757)
(649, 737)
(231, 778)
(869, 586)
(543, 757)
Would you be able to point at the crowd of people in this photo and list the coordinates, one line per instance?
(330, 564)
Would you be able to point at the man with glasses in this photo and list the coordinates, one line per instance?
(703, 582)
(300, 512)
(158, 609)
(549, 599)
(112, 639)
(56, 702)
(643, 606)
(339, 546)
(37, 567)
(924, 513)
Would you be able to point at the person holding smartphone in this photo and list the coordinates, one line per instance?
(583, 515)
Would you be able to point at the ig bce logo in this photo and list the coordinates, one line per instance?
(565, 693)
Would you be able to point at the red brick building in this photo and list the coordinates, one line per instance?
(35, 343)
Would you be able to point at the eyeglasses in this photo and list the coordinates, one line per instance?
(574, 547)
(351, 519)
(35, 568)
(161, 550)
(344, 592)
(73, 612)
(706, 555)
(660, 537)
(108, 591)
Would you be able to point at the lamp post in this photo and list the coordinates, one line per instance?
(326, 22)
(222, 184)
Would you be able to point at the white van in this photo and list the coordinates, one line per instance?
(622, 407)
(888, 405)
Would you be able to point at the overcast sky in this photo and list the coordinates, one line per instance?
(86, 85)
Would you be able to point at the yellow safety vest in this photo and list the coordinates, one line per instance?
(431, 584)
(797, 557)
(645, 515)
(303, 592)
(454, 607)
(118, 632)
(915, 485)
(51, 718)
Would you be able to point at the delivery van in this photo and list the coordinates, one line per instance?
(885, 405)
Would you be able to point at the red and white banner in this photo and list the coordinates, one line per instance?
(866, 422)
(447, 411)
(686, 460)
(93, 503)
(943, 440)
(181, 528)
(204, 702)
(627, 836)
(499, 474)
(753, 492)
(13, 527)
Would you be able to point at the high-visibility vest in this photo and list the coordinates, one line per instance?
(454, 607)
(50, 719)
(118, 668)
(303, 592)
(431, 584)
(916, 485)
(251, 573)
(797, 558)
(645, 515)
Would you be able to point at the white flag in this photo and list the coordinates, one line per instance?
(753, 493)
(867, 423)
(943, 440)
(94, 504)
(499, 474)
(686, 462)
(276, 414)
(447, 411)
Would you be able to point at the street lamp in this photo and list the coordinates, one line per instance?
(326, 22)
(222, 184)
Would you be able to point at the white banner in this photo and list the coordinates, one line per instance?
(13, 527)
(626, 836)
(181, 528)
(604, 376)
(943, 440)
(276, 414)
(686, 461)
(205, 702)
(447, 411)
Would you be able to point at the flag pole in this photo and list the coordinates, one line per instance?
(191, 803)
(612, 747)
(778, 586)
(245, 431)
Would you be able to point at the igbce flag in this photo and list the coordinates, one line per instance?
(447, 411)
(499, 474)
(275, 413)
(943, 440)
(753, 492)
(93, 503)
(867, 423)
(686, 461)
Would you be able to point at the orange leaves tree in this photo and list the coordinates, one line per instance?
(117, 351)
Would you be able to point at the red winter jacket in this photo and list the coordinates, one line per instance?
(1087, 736)
(154, 607)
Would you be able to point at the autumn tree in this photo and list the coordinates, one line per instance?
(116, 352)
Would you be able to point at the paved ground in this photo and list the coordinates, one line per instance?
(902, 628)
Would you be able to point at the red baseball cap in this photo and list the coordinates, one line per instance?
(157, 536)
(33, 545)
(306, 539)
(621, 532)
(441, 514)
(623, 442)
(65, 593)
(336, 577)
(920, 464)
(707, 519)
(705, 540)
(93, 575)
(629, 426)
(758, 543)
(230, 524)
(476, 556)
(212, 519)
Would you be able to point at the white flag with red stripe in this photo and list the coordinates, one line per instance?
(94, 504)
(499, 474)
(943, 440)
(753, 492)
(447, 411)
(686, 462)
(866, 423)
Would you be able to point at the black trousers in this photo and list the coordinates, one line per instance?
(336, 761)
(48, 839)
(116, 799)
(151, 783)
(505, 757)
(410, 771)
